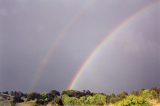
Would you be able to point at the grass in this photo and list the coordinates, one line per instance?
(29, 103)
(5, 103)
(154, 102)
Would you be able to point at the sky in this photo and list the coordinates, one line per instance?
(29, 30)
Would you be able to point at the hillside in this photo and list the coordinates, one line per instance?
(143, 97)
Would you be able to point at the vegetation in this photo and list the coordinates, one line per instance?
(143, 97)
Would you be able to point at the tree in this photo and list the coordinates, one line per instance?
(54, 92)
(77, 94)
(33, 96)
(53, 95)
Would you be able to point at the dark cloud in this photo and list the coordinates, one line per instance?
(28, 29)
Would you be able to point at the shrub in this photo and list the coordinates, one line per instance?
(133, 100)
(97, 99)
(71, 101)
(151, 94)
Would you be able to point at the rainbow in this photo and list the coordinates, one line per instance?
(108, 37)
(40, 70)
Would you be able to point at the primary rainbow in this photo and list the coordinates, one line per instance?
(108, 37)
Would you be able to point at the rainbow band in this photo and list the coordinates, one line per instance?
(108, 37)
(40, 70)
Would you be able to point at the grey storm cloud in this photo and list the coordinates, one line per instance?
(29, 29)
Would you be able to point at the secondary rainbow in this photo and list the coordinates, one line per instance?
(108, 37)
(40, 70)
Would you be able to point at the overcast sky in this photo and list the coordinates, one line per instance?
(30, 28)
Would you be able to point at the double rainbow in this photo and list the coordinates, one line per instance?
(40, 70)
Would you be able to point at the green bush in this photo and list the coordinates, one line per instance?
(133, 100)
(149, 94)
(97, 99)
(69, 101)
